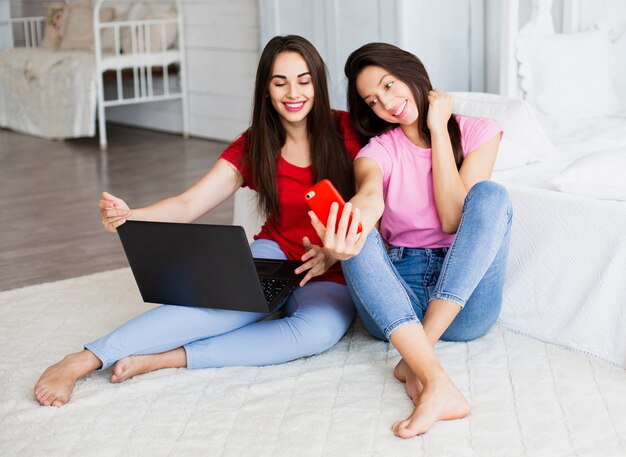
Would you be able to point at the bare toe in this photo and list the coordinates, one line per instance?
(55, 385)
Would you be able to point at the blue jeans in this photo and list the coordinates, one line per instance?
(393, 288)
(316, 316)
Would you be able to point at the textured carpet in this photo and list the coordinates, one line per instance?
(528, 397)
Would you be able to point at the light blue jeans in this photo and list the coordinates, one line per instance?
(316, 316)
(393, 287)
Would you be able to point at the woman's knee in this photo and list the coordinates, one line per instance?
(469, 330)
(322, 315)
(491, 197)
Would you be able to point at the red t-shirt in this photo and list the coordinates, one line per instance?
(292, 183)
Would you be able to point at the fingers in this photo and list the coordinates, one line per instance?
(315, 267)
(310, 250)
(114, 213)
(109, 201)
(112, 225)
(111, 198)
(342, 228)
(320, 229)
(331, 223)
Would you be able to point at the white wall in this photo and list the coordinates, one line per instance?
(493, 20)
(448, 37)
(5, 13)
(335, 27)
(222, 44)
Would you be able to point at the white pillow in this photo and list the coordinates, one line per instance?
(523, 141)
(601, 175)
(512, 155)
(78, 29)
(139, 11)
(618, 60)
(568, 76)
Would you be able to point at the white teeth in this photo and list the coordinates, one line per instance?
(401, 108)
(294, 105)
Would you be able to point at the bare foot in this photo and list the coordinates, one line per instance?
(412, 384)
(55, 385)
(439, 401)
(135, 365)
(131, 366)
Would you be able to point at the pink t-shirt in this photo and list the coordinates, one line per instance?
(410, 218)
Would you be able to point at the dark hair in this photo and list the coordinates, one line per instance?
(410, 70)
(329, 157)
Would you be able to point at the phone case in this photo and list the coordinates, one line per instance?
(321, 196)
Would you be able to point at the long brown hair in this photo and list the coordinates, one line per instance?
(410, 70)
(266, 136)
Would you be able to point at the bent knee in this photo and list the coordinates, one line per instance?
(490, 198)
(464, 334)
(322, 330)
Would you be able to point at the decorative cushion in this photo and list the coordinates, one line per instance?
(523, 140)
(55, 23)
(138, 11)
(601, 175)
(568, 76)
(78, 33)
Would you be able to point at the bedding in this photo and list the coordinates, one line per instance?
(48, 94)
(601, 175)
(567, 262)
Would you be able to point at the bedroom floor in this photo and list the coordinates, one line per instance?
(49, 226)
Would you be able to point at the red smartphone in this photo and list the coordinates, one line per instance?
(321, 196)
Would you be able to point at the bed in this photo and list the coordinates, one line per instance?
(566, 274)
(63, 70)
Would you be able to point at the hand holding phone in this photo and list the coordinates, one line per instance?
(321, 196)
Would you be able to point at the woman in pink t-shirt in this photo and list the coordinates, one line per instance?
(436, 269)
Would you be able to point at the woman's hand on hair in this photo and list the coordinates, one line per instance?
(439, 111)
(316, 259)
(347, 241)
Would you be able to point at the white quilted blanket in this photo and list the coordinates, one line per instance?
(51, 94)
(566, 274)
(528, 398)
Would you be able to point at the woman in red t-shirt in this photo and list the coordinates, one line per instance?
(295, 140)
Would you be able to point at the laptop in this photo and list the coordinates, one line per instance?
(202, 265)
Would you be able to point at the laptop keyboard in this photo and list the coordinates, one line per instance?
(272, 287)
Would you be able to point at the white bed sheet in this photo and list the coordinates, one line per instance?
(566, 275)
(48, 94)
(573, 139)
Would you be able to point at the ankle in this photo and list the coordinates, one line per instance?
(83, 362)
(435, 376)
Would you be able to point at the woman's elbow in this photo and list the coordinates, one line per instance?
(450, 226)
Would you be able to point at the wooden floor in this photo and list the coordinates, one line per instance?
(49, 223)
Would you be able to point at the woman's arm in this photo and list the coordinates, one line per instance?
(450, 185)
(366, 207)
(212, 189)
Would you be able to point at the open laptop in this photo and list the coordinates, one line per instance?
(203, 265)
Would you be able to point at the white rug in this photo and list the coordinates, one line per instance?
(528, 398)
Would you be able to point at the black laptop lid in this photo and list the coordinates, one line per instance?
(193, 265)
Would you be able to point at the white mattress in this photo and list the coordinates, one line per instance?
(566, 273)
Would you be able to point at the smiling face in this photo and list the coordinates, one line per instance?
(389, 97)
(291, 87)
